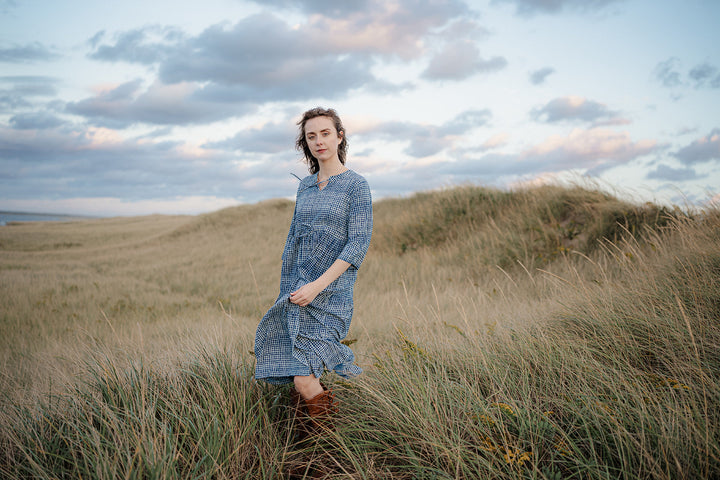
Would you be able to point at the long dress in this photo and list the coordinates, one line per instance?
(331, 223)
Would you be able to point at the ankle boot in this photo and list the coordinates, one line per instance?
(320, 409)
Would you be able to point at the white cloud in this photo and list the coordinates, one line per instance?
(535, 7)
(574, 108)
(497, 140)
(460, 60)
(177, 104)
(538, 77)
(704, 149)
(588, 149)
(111, 206)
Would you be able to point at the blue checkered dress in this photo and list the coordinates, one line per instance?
(332, 223)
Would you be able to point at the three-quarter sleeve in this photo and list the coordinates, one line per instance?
(360, 223)
(289, 242)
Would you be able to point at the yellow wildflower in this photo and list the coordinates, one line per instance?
(486, 419)
(504, 406)
(516, 456)
(562, 447)
(677, 385)
(487, 444)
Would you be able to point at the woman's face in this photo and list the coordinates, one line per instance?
(322, 138)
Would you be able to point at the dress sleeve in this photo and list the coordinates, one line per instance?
(360, 223)
(291, 231)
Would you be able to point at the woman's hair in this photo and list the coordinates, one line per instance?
(301, 143)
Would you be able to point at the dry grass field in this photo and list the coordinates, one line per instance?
(545, 333)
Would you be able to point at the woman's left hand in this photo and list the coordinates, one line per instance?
(305, 294)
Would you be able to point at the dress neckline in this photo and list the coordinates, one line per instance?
(327, 180)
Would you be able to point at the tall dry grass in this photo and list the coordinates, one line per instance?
(544, 333)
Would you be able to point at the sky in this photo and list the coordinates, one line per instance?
(185, 107)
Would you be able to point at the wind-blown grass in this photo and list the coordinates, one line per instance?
(626, 386)
(598, 361)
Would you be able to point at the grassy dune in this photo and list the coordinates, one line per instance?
(545, 333)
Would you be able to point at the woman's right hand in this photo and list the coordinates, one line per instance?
(305, 294)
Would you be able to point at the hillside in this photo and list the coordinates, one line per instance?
(541, 333)
(103, 275)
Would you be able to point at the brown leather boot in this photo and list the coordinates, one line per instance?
(320, 409)
(312, 418)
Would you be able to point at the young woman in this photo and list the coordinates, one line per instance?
(299, 337)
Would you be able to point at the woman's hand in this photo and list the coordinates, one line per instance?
(305, 294)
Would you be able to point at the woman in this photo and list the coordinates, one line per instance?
(299, 337)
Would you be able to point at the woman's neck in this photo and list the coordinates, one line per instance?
(330, 168)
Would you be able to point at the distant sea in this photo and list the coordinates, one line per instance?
(7, 217)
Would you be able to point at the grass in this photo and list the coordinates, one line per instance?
(540, 334)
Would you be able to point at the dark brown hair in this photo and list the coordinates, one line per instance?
(301, 143)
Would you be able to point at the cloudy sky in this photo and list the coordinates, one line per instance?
(139, 107)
